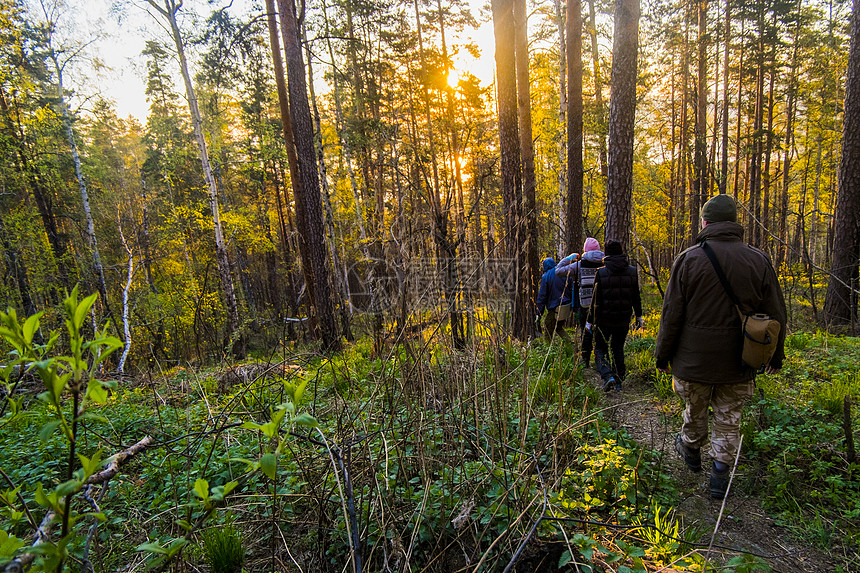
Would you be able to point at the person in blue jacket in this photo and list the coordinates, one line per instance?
(554, 293)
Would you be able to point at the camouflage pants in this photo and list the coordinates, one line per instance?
(726, 401)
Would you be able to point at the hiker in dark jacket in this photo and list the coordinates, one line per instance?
(700, 336)
(582, 270)
(616, 299)
(554, 293)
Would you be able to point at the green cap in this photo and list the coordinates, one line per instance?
(720, 208)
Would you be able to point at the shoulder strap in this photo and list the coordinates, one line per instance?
(720, 274)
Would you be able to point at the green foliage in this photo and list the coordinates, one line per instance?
(668, 540)
(223, 548)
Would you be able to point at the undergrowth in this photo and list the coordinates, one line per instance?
(405, 457)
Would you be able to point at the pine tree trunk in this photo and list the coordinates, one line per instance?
(840, 306)
(724, 165)
(304, 139)
(339, 279)
(573, 221)
(524, 115)
(622, 113)
(788, 147)
(295, 178)
(766, 175)
(598, 89)
(509, 150)
(562, 143)
(701, 159)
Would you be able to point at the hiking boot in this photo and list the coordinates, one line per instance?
(618, 385)
(692, 456)
(719, 482)
(610, 384)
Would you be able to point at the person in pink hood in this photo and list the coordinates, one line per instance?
(583, 270)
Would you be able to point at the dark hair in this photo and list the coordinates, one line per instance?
(613, 247)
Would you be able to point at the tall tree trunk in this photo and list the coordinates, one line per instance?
(622, 113)
(598, 89)
(788, 145)
(339, 279)
(509, 150)
(735, 189)
(304, 139)
(768, 152)
(562, 145)
(573, 221)
(724, 165)
(701, 159)
(683, 143)
(169, 11)
(453, 292)
(293, 164)
(754, 223)
(840, 304)
(527, 151)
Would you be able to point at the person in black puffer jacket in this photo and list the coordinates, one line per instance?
(616, 299)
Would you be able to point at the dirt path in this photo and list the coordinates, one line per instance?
(744, 526)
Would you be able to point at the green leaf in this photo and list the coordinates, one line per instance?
(230, 486)
(219, 491)
(90, 465)
(80, 313)
(152, 548)
(68, 487)
(300, 390)
(278, 417)
(269, 465)
(96, 392)
(30, 327)
(176, 545)
(184, 524)
(269, 429)
(565, 558)
(94, 417)
(9, 544)
(40, 497)
(305, 419)
(48, 429)
(251, 465)
(201, 488)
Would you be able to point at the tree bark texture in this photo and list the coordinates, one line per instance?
(622, 114)
(598, 88)
(561, 238)
(724, 166)
(574, 126)
(840, 304)
(509, 151)
(701, 160)
(527, 150)
(303, 133)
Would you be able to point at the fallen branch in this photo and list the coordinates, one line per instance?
(115, 461)
(23, 561)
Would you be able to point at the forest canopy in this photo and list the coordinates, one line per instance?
(303, 168)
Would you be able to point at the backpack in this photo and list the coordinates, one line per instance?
(586, 284)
